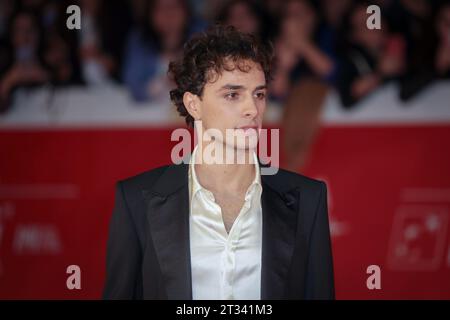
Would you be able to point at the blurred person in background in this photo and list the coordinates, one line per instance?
(298, 55)
(138, 14)
(332, 13)
(301, 78)
(431, 60)
(411, 18)
(369, 58)
(246, 15)
(6, 9)
(274, 11)
(104, 25)
(442, 53)
(23, 66)
(60, 53)
(151, 46)
(61, 59)
(205, 9)
(51, 12)
(273, 7)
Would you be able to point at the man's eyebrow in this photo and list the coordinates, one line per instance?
(240, 87)
(263, 86)
(231, 87)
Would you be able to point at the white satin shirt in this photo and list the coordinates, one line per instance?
(225, 266)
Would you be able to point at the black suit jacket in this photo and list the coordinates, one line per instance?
(148, 251)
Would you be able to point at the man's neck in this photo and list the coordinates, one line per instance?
(227, 177)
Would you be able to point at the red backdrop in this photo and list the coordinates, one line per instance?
(389, 198)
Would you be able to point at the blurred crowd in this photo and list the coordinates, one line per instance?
(319, 45)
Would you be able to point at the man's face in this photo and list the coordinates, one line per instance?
(235, 100)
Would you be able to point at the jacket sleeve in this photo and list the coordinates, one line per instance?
(123, 256)
(320, 277)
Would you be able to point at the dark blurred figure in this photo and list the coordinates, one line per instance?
(431, 59)
(274, 11)
(138, 13)
(442, 33)
(104, 25)
(369, 58)
(153, 45)
(298, 54)
(246, 15)
(411, 18)
(61, 59)
(23, 66)
(206, 10)
(6, 9)
(304, 71)
(274, 7)
(60, 53)
(332, 14)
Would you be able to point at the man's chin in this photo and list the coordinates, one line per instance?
(244, 146)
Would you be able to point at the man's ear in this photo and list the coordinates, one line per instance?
(193, 106)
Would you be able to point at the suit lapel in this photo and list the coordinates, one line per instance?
(280, 212)
(168, 221)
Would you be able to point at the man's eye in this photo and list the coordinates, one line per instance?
(261, 95)
(231, 95)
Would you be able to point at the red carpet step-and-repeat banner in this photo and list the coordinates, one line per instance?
(388, 178)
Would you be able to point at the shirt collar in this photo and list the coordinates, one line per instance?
(195, 185)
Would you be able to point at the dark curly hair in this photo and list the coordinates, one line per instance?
(210, 51)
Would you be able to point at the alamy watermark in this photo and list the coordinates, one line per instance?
(74, 20)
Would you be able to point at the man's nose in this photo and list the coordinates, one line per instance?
(250, 109)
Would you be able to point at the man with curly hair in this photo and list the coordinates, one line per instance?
(220, 230)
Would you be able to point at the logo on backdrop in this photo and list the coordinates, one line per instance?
(418, 238)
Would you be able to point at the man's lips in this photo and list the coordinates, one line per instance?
(249, 131)
(247, 128)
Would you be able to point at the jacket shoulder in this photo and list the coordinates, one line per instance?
(144, 179)
(284, 181)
